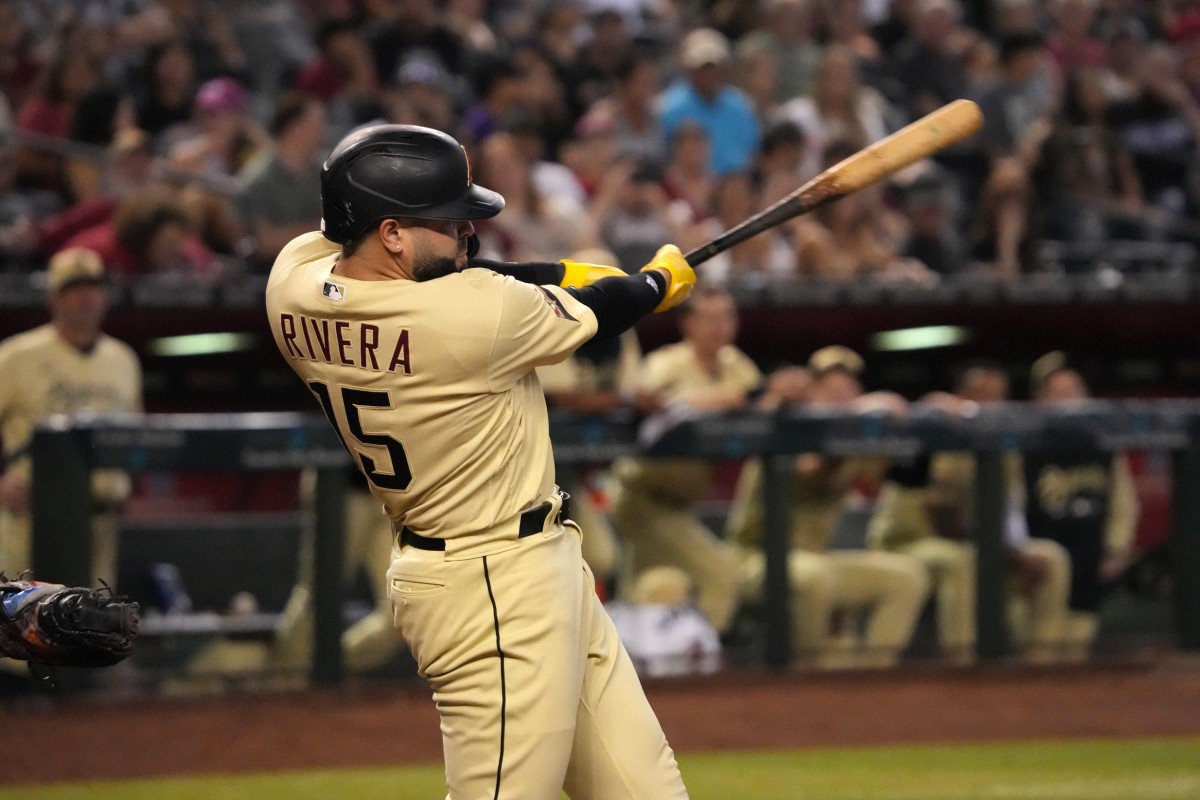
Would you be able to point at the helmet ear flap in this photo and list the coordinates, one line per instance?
(472, 246)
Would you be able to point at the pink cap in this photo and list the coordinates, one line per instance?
(221, 94)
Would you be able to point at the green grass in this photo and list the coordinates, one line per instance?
(1134, 769)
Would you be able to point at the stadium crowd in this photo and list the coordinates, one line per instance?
(185, 137)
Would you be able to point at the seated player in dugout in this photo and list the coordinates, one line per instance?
(424, 361)
(655, 500)
(926, 510)
(832, 588)
(1085, 502)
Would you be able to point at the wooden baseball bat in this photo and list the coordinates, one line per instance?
(951, 123)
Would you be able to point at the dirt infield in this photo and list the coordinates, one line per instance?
(63, 739)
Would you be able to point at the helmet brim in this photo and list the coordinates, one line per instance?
(477, 202)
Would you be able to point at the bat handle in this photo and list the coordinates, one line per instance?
(701, 254)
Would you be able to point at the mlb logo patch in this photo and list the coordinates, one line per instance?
(334, 291)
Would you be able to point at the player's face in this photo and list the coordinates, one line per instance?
(1065, 386)
(81, 306)
(439, 247)
(712, 322)
(835, 388)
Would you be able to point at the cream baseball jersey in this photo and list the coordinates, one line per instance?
(673, 371)
(431, 385)
(41, 374)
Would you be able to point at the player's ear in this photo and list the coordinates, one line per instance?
(392, 236)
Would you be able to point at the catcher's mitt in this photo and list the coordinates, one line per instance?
(48, 623)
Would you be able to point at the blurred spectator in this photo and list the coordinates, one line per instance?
(602, 61)
(69, 74)
(20, 64)
(756, 73)
(703, 96)
(342, 75)
(99, 116)
(226, 138)
(167, 87)
(591, 153)
(20, 212)
(550, 178)
(423, 94)
(929, 62)
(846, 26)
(48, 112)
(1017, 114)
(544, 98)
(533, 227)
(280, 195)
(840, 107)
(500, 93)
(150, 234)
(1095, 190)
(224, 141)
(930, 206)
(400, 30)
(786, 32)
(766, 256)
(631, 211)
(926, 510)
(206, 29)
(887, 589)
(468, 19)
(67, 366)
(855, 237)
(1159, 128)
(689, 177)
(629, 109)
(777, 168)
(1071, 42)
(1084, 502)
(1125, 42)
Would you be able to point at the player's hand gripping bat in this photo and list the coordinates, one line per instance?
(951, 123)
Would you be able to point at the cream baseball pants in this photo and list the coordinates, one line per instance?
(535, 692)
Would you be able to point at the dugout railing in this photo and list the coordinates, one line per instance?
(64, 452)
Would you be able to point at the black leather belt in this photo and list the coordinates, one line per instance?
(532, 521)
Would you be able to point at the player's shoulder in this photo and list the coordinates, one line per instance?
(26, 342)
(304, 249)
(118, 349)
(669, 354)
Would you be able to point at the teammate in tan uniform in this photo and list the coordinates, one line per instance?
(887, 589)
(426, 370)
(67, 366)
(654, 510)
(1085, 502)
(927, 512)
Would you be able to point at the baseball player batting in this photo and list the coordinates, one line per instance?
(424, 362)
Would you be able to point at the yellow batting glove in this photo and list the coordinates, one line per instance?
(682, 277)
(579, 274)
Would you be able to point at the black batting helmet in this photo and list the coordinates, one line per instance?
(388, 171)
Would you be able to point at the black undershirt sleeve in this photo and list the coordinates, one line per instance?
(539, 273)
(621, 302)
(618, 302)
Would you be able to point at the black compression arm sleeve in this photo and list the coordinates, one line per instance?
(539, 273)
(620, 302)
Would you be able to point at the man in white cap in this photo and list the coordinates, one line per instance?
(66, 366)
(703, 95)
